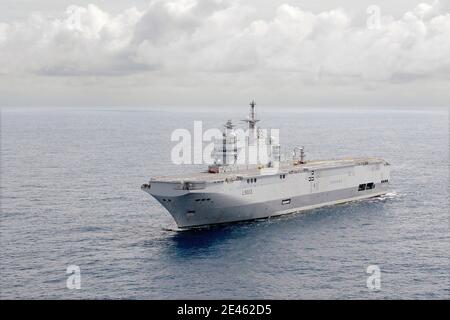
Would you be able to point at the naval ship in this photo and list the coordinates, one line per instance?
(230, 190)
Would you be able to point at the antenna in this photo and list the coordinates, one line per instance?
(302, 154)
(229, 124)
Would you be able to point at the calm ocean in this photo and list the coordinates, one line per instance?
(70, 195)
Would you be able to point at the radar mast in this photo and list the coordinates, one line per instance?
(251, 119)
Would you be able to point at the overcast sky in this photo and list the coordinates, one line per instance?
(220, 53)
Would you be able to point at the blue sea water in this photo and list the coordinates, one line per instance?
(70, 195)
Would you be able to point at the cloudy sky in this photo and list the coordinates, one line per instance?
(225, 52)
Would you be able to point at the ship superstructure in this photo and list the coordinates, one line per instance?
(258, 183)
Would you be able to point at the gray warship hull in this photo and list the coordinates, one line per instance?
(207, 199)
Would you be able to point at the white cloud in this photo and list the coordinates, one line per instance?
(193, 36)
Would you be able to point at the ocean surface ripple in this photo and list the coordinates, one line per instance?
(70, 195)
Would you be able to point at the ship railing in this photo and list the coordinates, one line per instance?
(191, 186)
